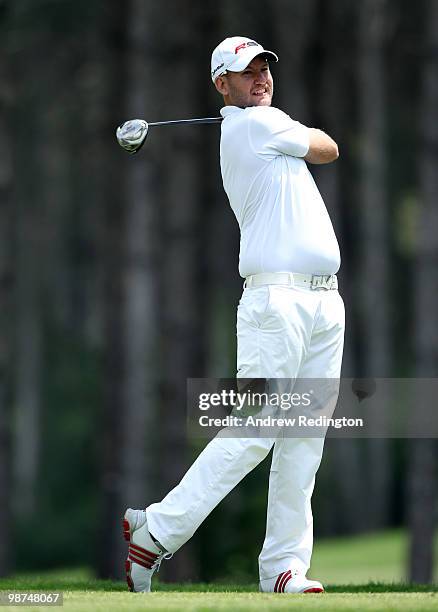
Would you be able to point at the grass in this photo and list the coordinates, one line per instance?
(109, 597)
(360, 573)
(200, 602)
(374, 557)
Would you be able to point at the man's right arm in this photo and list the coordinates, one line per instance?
(272, 131)
(322, 148)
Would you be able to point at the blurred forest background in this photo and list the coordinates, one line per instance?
(118, 274)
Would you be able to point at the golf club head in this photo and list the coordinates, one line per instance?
(132, 134)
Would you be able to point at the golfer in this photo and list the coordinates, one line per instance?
(290, 324)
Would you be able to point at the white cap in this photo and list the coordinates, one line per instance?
(235, 54)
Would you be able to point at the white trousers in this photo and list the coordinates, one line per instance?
(282, 332)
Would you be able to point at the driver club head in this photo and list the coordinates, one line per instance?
(132, 134)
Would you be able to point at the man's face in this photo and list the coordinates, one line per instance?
(250, 87)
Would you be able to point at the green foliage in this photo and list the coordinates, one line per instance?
(237, 529)
(64, 525)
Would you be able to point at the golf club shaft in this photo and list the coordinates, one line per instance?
(188, 121)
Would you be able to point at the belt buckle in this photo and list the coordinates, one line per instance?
(321, 281)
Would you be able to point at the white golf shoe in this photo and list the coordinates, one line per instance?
(291, 581)
(144, 555)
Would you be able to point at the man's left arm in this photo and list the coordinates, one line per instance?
(322, 148)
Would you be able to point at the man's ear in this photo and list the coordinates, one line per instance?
(221, 85)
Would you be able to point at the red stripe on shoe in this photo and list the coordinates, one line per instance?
(142, 562)
(279, 577)
(128, 575)
(143, 551)
(314, 590)
(141, 555)
(278, 588)
(287, 577)
(126, 530)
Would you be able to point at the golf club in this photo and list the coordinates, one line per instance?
(132, 134)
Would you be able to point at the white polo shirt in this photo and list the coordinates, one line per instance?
(284, 224)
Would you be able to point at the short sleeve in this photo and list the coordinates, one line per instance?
(273, 132)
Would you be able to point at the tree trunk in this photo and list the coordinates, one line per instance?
(343, 456)
(182, 259)
(6, 316)
(29, 263)
(28, 372)
(423, 453)
(374, 238)
(129, 460)
(293, 23)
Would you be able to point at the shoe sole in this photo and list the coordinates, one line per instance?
(314, 590)
(127, 536)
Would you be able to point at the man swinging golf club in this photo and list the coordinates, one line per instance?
(290, 324)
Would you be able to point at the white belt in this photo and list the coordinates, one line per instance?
(293, 279)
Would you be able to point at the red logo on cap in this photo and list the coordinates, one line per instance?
(243, 45)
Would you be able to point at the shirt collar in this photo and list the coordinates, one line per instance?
(229, 110)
